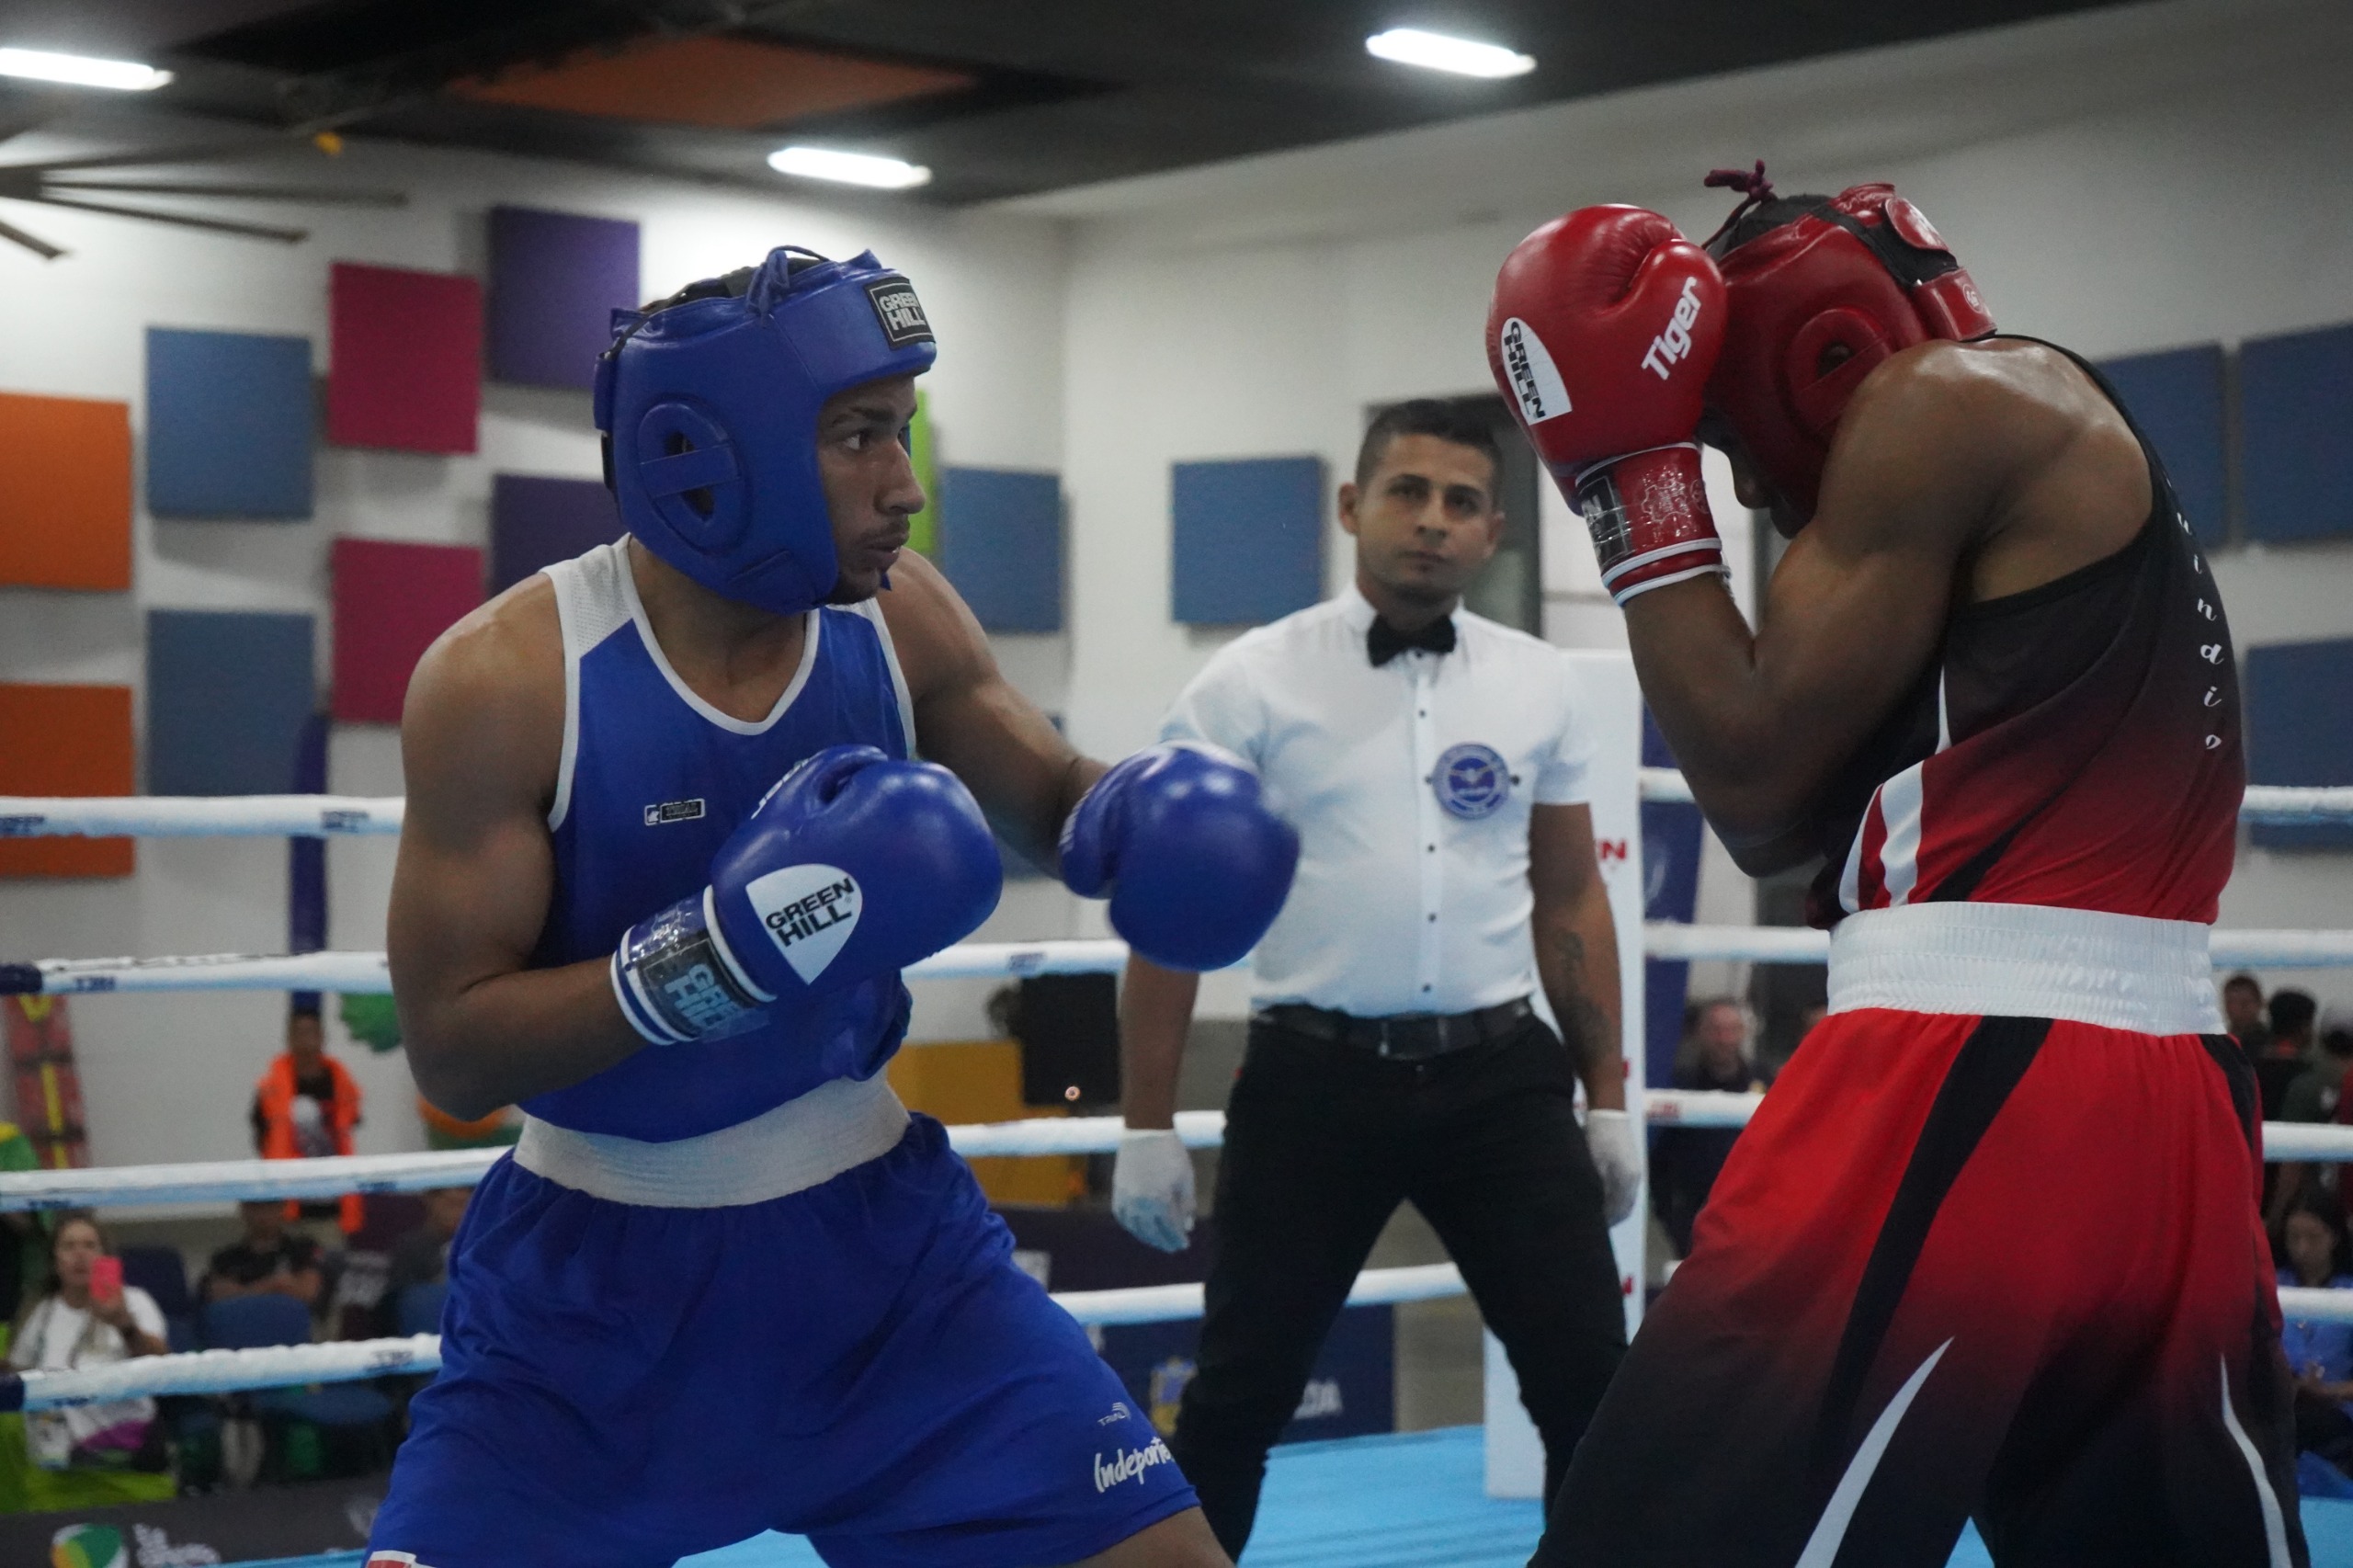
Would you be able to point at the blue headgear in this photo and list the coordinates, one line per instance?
(708, 409)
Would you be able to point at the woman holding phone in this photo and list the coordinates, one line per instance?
(87, 1317)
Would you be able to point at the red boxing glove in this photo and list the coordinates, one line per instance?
(1605, 326)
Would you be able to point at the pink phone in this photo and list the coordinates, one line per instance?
(106, 1277)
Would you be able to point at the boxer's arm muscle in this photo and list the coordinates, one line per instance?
(479, 743)
(1923, 460)
(1576, 946)
(971, 721)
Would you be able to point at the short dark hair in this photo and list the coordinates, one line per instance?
(2293, 1012)
(1460, 423)
(2324, 1207)
(1773, 212)
(2244, 982)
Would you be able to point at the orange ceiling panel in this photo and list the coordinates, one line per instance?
(724, 83)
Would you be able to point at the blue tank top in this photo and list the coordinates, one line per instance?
(652, 782)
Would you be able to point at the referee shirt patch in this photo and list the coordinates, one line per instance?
(1472, 781)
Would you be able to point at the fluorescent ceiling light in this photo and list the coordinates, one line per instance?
(1437, 51)
(848, 168)
(81, 70)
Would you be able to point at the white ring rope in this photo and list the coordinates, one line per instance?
(216, 1371)
(328, 816)
(199, 816)
(281, 1366)
(361, 973)
(220, 1181)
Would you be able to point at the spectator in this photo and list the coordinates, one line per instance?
(2314, 1094)
(269, 1260)
(1685, 1160)
(422, 1256)
(2319, 1354)
(2242, 1012)
(85, 1319)
(24, 1244)
(2284, 1057)
(306, 1105)
(2317, 1094)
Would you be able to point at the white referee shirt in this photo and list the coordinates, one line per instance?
(1410, 786)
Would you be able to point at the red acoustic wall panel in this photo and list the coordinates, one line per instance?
(64, 740)
(405, 364)
(391, 601)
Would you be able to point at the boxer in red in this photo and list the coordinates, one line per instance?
(1990, 1247)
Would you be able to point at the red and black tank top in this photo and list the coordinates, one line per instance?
(2075, 744)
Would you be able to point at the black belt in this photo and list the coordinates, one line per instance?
(1404, 1037)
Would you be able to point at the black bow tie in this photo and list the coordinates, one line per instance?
(1384, 642)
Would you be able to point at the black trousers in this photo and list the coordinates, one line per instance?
(1322, 1141)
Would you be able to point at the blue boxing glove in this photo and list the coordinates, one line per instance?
(1194, 864)
(854, 865)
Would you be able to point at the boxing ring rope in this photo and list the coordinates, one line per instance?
(220, 1181)
(220, 1371)
(334, 816)
(362, 974)
(283, 1366)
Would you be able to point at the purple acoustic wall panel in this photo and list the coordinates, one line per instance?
(555, 279)
(535, 522)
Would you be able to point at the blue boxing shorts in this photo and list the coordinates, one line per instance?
(859, 1362)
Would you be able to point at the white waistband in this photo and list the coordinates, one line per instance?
(802, 1144)
(2121, 972)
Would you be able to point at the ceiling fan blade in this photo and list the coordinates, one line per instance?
(320, 193)
(217, 225)
(158, 156)
(32, 242)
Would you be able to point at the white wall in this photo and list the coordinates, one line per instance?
(167, 1078)
(2125, 180)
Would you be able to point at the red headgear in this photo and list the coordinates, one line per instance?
(1864, 272)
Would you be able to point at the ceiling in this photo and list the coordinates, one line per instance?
(999, 98)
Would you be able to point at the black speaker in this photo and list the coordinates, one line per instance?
(1069, 1028)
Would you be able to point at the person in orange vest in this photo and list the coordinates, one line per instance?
(306, 1105)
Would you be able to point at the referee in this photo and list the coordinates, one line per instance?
(1434, 764)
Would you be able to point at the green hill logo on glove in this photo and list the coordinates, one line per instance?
(808, 912)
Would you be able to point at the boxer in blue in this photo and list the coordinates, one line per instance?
(667, 847)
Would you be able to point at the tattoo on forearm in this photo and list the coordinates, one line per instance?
(1584, 1028)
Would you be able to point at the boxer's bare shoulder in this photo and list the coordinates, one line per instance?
(938, 638)
(2003, 451)
(485, 714)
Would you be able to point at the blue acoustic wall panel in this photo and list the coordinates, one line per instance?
(536, 521)
(1248, 540)
(227, 698)
(2176, 399)
(229, 420)
(1001, 543)
(2296, 435)
(2298, 695)
(555, 280)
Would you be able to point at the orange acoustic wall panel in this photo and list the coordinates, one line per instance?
(64, 740)
(65, 492)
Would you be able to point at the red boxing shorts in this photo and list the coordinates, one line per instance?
(2002, 1268)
